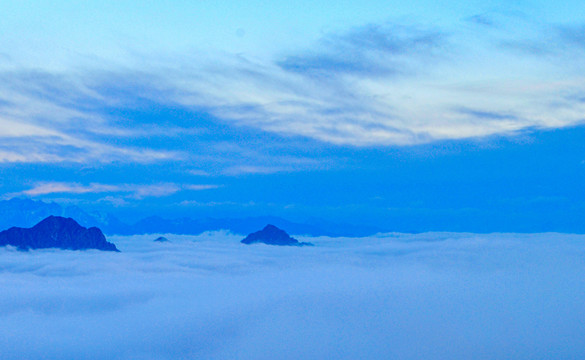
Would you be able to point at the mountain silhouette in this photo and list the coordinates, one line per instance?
(26, 213)
(271, 235)
(56, 232)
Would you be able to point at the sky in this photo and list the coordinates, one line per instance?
(431, 296)
(417, 116)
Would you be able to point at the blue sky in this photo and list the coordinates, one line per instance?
(416, 116)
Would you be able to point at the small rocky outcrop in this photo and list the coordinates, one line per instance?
(161, 239)
(56, 232)
(271, 235)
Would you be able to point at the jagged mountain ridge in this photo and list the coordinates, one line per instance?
(56, 232)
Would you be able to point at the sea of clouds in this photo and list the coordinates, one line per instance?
(392, 296)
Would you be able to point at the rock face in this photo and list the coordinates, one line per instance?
(161, 239)
(271, 235)
(56, 232)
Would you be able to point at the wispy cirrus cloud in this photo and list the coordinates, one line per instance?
(47, 117)
(372, 50)
(135, 191)
(71, 188)
(197, 187)
(557, 43)
(574, 35)
(371, 85)
(393, 85)
(254, 169)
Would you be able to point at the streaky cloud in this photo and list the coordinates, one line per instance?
(372, 50)
(135, 191)
(574, 35)
(481, 19)
(50, 117)
(553, 42)
(487, 115)
(376, 85)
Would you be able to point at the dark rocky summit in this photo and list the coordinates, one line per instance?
(56, 232)
(271, 235)
(161, 239)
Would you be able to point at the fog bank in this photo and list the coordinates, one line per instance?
(393, 296)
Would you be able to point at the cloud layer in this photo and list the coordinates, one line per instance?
(379, 84)
(433, 296)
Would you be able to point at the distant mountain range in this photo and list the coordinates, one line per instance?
(27, 212)
(56, 232)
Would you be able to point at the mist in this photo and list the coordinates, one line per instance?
(391, 296)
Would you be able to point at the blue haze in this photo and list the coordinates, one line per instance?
(438, 145)
(455, 116)
(530, 182)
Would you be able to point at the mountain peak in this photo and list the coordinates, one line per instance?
(271, 235)
(271, 227)
(52, 221)
(56, 232)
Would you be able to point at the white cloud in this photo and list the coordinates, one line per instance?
(199, 172)
(70, 188)
(415, 98)
(54, 118)
(198, 187)
(10, 129)
(16, 157)
(431, 296)
(136, 191)
(366, 86)
(255, 169)
(158, 190)
(114, 200)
